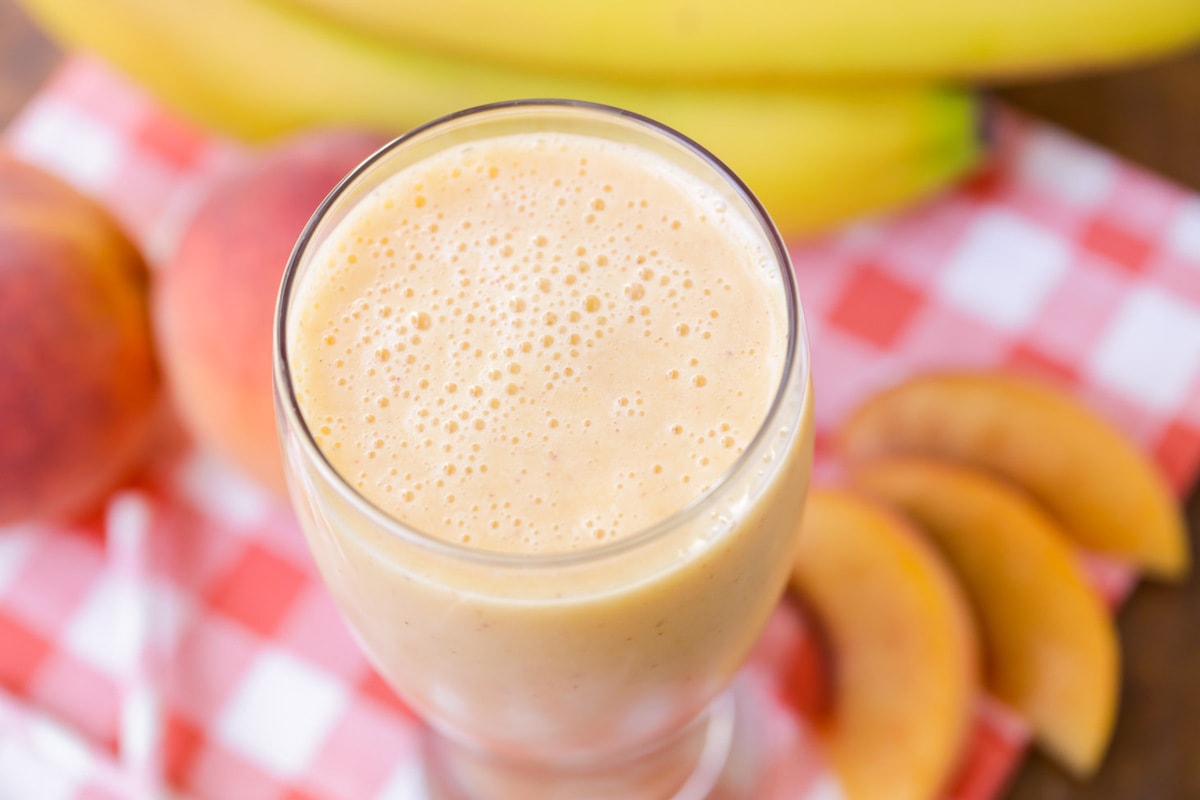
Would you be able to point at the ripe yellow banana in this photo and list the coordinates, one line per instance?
(930, 39)
(258, 68)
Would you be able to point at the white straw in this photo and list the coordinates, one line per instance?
(141, 729)
(62, 753)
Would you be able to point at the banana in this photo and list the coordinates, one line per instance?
(716, 39)
(260, 68)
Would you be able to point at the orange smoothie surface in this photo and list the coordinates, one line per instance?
(538, 342)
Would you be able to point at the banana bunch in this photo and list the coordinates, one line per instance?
(738, 78)
(717, 40)
(261, 68)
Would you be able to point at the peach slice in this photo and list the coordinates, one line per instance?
(902, 643)
(1049, 646)
(1106, 495)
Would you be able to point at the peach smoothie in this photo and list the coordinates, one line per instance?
(560, 370)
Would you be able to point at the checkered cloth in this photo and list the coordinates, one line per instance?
(1058, 260)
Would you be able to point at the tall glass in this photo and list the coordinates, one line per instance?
(586, 673)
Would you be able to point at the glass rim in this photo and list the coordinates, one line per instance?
(797, 355)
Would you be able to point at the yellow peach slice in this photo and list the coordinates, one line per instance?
(1106, 495)
(1049, 646)
(902, 647)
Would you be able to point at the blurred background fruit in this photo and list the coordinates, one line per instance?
(712, 39)
(79, 385)
(215, 301)
(816, 156)
(814, 105)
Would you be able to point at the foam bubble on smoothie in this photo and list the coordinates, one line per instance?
(537, 343)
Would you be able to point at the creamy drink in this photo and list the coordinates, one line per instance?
(556, 384)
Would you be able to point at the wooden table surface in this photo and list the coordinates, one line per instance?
(1150, 115)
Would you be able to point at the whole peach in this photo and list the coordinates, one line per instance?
(215, 302)
(79, 384)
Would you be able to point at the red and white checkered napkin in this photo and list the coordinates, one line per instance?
(193, 640)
